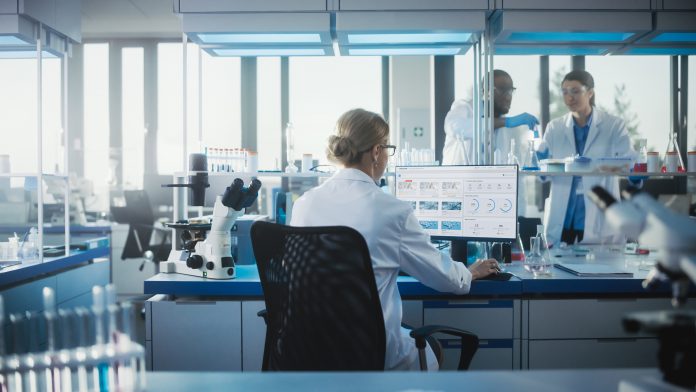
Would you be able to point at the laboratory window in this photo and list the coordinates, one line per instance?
(133, 117)
(18, 110)
(213, 107)
(323, 88)
(464, 76)
(636, 89)
(524, 71)
(268, 120)
(98, 167)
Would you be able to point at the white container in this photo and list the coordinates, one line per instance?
(653, 162)
(553, 165)
(306, 162)
(691, 161)
(252, 162)
(578, 164)
(671, 162)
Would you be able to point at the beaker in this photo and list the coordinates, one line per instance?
(531, 163)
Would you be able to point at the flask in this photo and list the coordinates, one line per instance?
(290, 147)
(517, 249)
(641, 165)
(531, 163)
(535, 262)
(543, 243)
(673, 159)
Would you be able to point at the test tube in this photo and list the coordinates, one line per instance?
(84, 371)
(52, 373)
(68, 371)
(98, 351)
(112, 334)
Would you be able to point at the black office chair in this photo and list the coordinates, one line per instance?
(322, 306)
(528, 229)
(140, 219)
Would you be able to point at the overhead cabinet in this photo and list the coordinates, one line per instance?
(406, 5)
(191, 6)
(577, 5)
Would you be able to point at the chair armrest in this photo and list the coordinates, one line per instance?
(470, 341)
(264, 314)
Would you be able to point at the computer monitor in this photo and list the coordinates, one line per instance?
(476, 203)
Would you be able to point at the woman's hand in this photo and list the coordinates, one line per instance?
(483, 268)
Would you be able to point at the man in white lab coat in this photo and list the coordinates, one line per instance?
(587, 131)
(459, 131)
(396, 241)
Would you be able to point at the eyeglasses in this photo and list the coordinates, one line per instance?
(505, 91)
(575, 91)
(391, 149)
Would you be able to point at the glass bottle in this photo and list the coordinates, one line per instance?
(290, 147)
(517, 249)
(673, 160)
(641, 165)
(531, 163)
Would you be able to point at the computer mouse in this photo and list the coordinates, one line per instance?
(500, 276)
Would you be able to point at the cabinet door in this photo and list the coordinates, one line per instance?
(253, 335)
(79, 281)
(592, 353)
(196, 335)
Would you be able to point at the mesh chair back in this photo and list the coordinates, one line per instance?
(323, 307)
(138, 214)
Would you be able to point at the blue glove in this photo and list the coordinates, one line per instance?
(521, 119)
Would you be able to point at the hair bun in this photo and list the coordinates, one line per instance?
(341, 149)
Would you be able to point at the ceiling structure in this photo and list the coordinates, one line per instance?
(129, 19)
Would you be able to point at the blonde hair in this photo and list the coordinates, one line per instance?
(357, 131)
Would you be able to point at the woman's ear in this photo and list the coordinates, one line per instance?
(375, 153)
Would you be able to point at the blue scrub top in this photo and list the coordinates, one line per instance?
(575, 213)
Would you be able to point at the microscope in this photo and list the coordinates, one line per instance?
(206, 244)
(641, 217)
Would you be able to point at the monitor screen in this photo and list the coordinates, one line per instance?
(462, 202)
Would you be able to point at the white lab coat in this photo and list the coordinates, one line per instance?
(607, 137)
(396, 242)
(458, 148)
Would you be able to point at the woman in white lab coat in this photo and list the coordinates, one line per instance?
(587, 131)
(396, 241)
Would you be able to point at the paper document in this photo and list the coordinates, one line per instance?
(594, 270)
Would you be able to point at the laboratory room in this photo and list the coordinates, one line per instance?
(348, 195)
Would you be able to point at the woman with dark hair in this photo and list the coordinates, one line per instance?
(396, 241)
(589, 132)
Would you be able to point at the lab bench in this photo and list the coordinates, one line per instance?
(71, 277)
(525, 323)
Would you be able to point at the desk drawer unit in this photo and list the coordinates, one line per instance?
(195, 335)
(592, 353)
(495, 322)
(585, 318)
